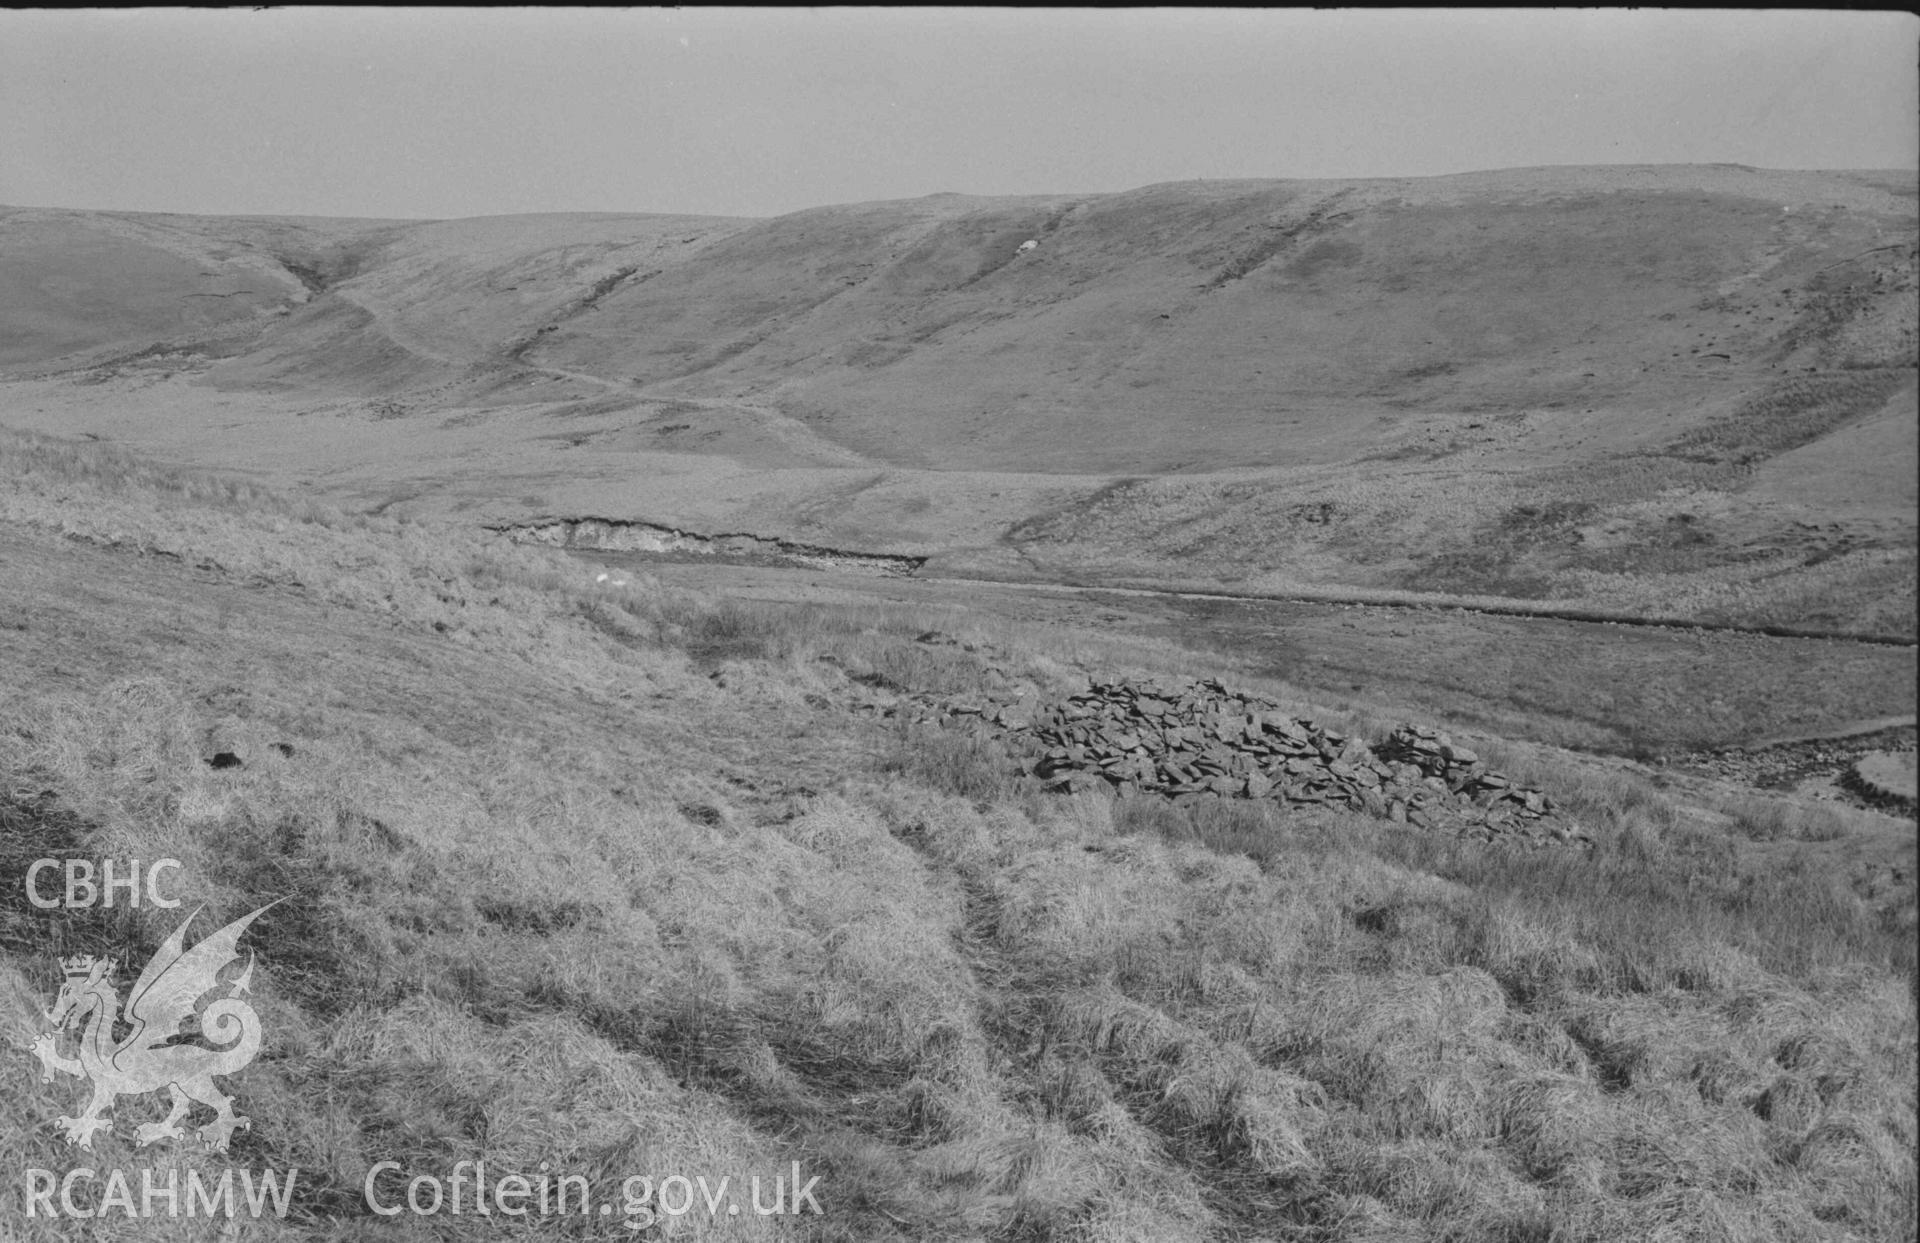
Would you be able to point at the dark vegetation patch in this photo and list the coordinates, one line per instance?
(34, 826)
(1549, 523)
(1077, 515)
(604, 286)
(532, 918)
(312, 277)
(730, 631)
(1875, 284)
(331, 939)
(1675, 545)
(1280, 238)
(1789, 414)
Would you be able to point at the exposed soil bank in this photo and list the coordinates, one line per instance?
(617, 535)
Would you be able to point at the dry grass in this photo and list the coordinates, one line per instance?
(1776, 819)
(694, 921)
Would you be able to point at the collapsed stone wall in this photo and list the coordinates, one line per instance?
(1203, 740)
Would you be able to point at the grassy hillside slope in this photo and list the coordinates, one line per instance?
(1195, 326)
(609, 877)
(1677, 388)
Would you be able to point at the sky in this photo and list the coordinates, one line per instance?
(433, 113)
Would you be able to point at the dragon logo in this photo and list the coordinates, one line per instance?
(152, 1055)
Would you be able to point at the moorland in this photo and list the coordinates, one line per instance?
(1675, 390)
(634, 862)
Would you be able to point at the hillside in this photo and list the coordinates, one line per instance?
(1679, 390)
(585, 874)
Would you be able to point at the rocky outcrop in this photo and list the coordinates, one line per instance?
(1141, 738)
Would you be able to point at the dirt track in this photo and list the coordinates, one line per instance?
(1472, 605)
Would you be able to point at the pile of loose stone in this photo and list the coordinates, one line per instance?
(1205, 740)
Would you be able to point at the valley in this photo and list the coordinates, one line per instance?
(1673, 391)
(1330, 711)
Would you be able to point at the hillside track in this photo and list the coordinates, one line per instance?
(1597, 687)
(1482, 607)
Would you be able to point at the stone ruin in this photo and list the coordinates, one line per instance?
(1201, 740)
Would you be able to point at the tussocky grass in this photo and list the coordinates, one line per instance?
(617, 880)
